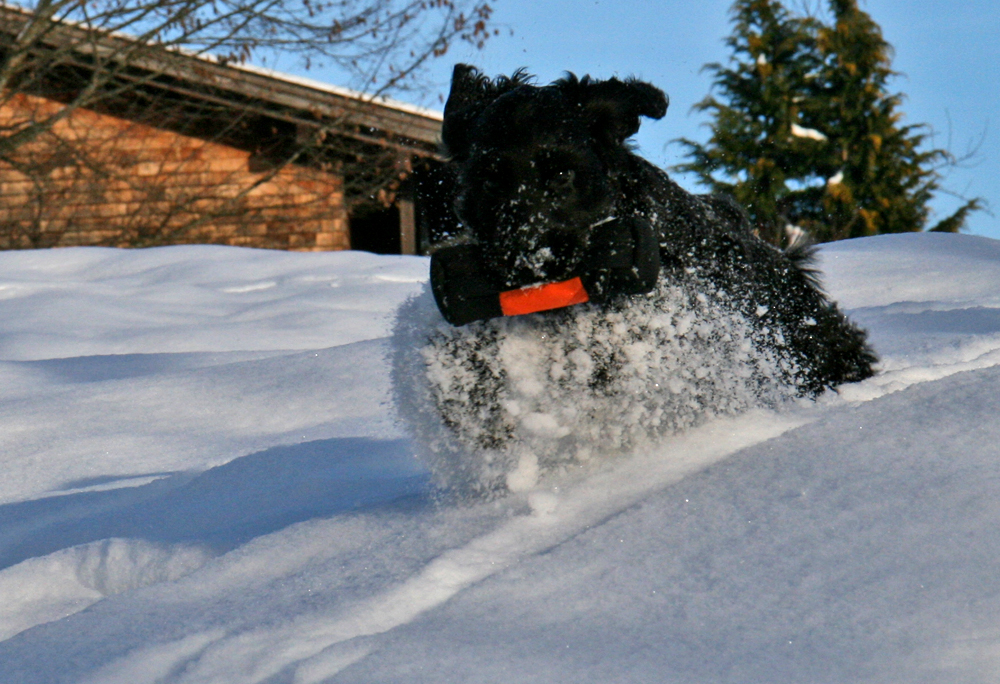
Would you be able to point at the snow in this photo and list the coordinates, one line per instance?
(508, 402)
(205, 480)
(810, 133)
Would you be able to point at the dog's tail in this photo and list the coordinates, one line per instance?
(802, 253)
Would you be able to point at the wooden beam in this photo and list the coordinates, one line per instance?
(407, 227)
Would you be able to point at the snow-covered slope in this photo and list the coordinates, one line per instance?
(203, 481)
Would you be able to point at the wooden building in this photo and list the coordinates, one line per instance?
(196, 151)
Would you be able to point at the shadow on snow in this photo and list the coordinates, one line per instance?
(222, 507)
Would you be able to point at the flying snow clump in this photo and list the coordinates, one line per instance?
(501, 405)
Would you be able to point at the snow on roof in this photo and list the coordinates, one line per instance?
(271, 74)
(322, 86)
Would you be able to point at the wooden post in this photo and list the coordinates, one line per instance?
(407, 227)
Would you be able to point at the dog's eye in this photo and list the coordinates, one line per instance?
(556, 169)
(559, 179)
(565, 177)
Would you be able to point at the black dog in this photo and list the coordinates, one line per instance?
(548, 190)
(661, 309)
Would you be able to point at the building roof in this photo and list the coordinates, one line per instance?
(301, 101)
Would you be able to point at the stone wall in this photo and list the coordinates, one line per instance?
(96, 179)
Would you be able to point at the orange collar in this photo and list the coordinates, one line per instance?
(543, 297)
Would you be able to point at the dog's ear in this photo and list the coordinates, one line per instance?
(471, 93)
(468, 88)
(462, 108)
(612, 108)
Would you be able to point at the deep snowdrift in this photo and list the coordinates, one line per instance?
(203, 481)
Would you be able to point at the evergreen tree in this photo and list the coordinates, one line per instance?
(805, 132)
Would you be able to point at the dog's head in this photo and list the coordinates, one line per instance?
(538, 166)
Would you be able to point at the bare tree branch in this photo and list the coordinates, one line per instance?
(170, 64)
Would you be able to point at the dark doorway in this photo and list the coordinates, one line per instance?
(375, 228)
(435, 207)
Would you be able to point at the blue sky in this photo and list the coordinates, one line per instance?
(947, 51)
